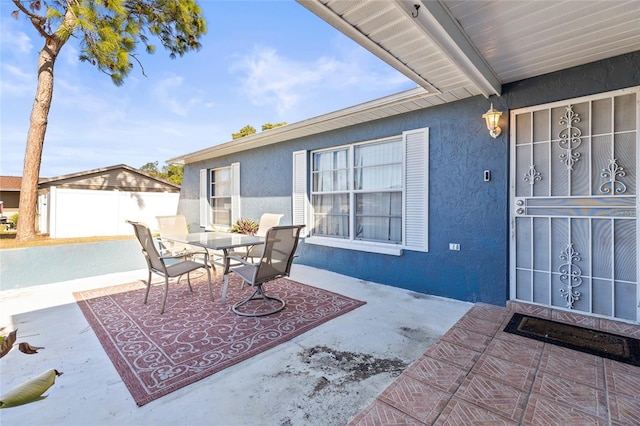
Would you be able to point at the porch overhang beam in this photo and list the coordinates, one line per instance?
(435, 21)
(329, 16)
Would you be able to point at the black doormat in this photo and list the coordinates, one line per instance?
(599, 343)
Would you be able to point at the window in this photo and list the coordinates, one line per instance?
(356, 192)
(220, 196)
(366, 196)
(220, 193)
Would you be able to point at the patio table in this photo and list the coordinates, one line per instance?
(223, 241)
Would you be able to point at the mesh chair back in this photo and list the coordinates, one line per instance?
(267, 221)
(173, 226)
(148, 246)
(278, 252)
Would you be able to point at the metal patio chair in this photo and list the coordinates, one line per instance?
(176, 225)
(267, 221)
(168, 266)
(275, 262)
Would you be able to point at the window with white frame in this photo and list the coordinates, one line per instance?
(220, 193)
(368, 196)
(220, 196)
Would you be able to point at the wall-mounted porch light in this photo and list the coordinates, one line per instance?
(493, 117)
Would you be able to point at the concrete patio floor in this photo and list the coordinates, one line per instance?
(300, 382)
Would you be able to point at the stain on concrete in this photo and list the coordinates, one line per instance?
(331, 375)
(348, 367)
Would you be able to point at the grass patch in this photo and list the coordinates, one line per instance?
(8, 242)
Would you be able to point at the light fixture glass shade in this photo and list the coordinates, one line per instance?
(493, 117)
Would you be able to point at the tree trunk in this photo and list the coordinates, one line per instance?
(35, 141)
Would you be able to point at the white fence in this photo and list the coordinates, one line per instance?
(66, 213)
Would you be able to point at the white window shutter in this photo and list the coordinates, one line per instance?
(235, 192)
(205, 209)
(300, 199)
(416, 193)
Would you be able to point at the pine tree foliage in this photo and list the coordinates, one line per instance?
(111, 35)
(245, 131)
(269, 126)
(171, 172)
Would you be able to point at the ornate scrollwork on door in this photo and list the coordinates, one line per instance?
(570, 138)
(570, 275)
(612, 185)
(532, 175)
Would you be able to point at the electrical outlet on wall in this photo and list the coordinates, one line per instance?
(454, 246)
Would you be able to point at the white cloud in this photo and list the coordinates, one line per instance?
(13, 39)
(272, 80)
(16, 81)
(168, 92)
(70, 55)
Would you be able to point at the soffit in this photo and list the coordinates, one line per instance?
(454, 49)
(446, 45)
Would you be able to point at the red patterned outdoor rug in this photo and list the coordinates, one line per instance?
(157, 354)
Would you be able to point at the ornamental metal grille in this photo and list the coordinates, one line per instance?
(574, 207)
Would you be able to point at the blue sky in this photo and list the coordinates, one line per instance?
(261, 62)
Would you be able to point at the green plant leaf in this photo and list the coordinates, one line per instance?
(29, 391)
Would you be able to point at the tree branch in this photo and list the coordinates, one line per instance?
(37, 21)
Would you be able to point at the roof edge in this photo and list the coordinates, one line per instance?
(43, 181)
(284, 133)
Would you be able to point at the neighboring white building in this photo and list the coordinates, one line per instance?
(97, 202)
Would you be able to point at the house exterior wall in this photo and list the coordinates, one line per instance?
(463, 208)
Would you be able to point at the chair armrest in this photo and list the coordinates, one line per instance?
(241, 260)
(184, 254)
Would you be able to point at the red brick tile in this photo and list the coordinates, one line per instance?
(527, 352)
(381, 414)
(533, 310)
(581, 357)
(520, 340)
(569, 392)
(620, 328)
(416, 398)
(488, 312)
(543, 411)
(575, 319)
(456, 354)
(493, 395)
(478, 325)
(573, 367)
(624, 410)
(443, 375)
(467, 338)
(622, 378)
(508, 372)
(459, 412)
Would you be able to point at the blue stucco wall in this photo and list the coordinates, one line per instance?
(462, 207)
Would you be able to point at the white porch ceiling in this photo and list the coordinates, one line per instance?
(455, 49)
(457, 46)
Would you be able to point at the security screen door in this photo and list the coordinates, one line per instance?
(574, 205)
